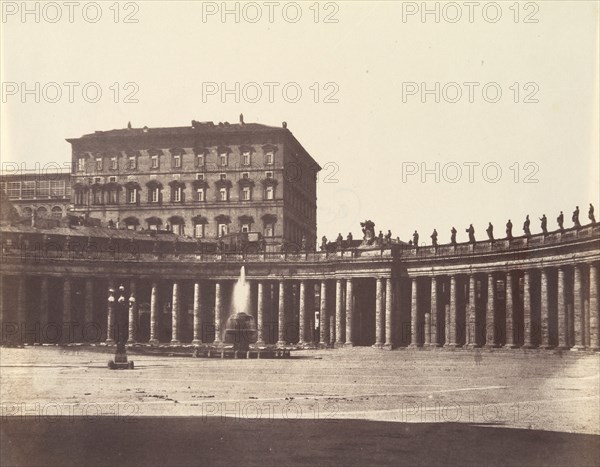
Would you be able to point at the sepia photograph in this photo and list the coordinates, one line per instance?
(300, 233)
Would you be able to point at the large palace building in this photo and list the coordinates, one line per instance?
(205, 180)
(539, 290)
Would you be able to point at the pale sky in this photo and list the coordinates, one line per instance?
(369, 139)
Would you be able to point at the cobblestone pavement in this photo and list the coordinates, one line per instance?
(348, 406)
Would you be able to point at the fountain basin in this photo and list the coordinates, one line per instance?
(240, 330)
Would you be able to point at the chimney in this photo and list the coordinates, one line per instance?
(284, 124)
(242, 119)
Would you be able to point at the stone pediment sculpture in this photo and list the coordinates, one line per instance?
(368, 229)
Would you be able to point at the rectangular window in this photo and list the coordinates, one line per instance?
(199, 230)
(178, 229)
(177, 194)
(269, 174)
(13, 190)
(132, 162)
(269, 192)
(154, 195)
(97, 197)
(201, 196)
(223, 160)
(112, 197)
(154, 162)
(246, 158)
(98, 180)
(79, 197)
(269, 230)
(132, 196)
(223, 194)
(113, 163)
(199, 160)
(245, 175)
(199, 176)
(57, 188)
(245, 228)
(99, 164)
(28, 189)
(153, 227)
(269, 158)
(81, 164)
(222, 229)
(222, 176)
(177, 161)
(112, 179)
(43, 189)
(246, 193)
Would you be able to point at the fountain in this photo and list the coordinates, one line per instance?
(241, 333)
(240, 329)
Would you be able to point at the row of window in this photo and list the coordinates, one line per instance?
(199, 176)
(56, 212)
(223, 160)
(202, 230)
(32, 189)
(155, 196)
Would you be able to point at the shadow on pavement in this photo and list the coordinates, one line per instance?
(233, 441)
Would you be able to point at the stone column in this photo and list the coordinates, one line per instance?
(175, 315)
(197, 339)
(527, 344)
(339, 340)
(66, 317)
(260, 314)
(218, 312)
(563, 324)
(323, 316)
(281, 341)
(594, 315)
(545, 311)
(110, 314)
(510, 307)
(154, 314)
(304, 337)
(578, 308)
(43, 307)
(21, 306)
(379, 313)
(89, 301)
(2, 302)
(451, 316)
(427, 329)
(490, 313)
(349, 312)
(434, 338)
(388, 314)
(471, 334)
(413, 313)
(132, 313)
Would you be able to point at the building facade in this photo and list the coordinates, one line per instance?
(43, 195)
(205, 181)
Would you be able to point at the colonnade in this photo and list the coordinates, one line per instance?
(545, 307)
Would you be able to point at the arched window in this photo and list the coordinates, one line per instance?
(57, 212)
(131, 222)
(42, 211)
(26, 212)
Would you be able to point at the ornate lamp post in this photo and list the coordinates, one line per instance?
(110, 339)
(120, 361)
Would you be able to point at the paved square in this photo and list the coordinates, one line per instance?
(399, 407)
